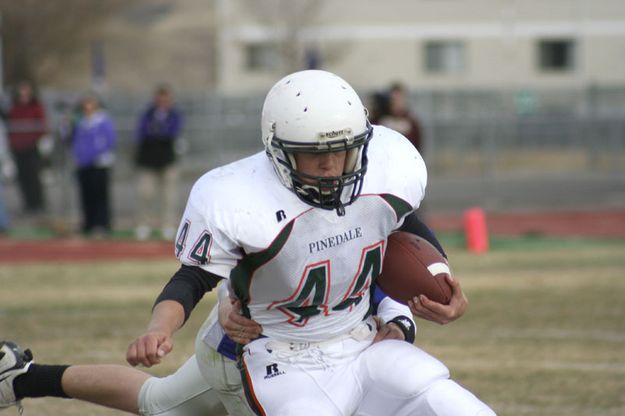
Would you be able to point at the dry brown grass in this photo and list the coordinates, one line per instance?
(545, 333)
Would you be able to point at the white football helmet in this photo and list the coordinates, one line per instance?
(316, 112)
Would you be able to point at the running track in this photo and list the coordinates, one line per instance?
(605, 224)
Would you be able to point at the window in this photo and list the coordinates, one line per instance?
(445, 57)
(261, 57)
(556, 55)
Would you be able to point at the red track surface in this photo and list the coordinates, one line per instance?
(590, 224)
(595, 224)
(64, 250)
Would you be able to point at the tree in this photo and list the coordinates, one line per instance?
(290, 19)
(40, 37)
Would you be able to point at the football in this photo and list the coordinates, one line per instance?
(412, 266)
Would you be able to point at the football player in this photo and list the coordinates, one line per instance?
(300, 236)
(299, 231)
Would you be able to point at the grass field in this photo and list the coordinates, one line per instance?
(544, 333)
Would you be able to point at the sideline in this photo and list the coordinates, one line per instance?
(604, 224)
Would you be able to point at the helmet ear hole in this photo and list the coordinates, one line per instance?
(268, 131)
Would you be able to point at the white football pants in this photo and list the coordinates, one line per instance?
(352, 377)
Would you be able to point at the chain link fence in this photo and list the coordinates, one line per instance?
(472, 139)
(483, 132)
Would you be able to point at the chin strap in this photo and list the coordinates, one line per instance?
(340, 210)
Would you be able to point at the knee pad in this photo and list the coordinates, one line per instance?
(399, 368)
(447, 398)
(183, 393)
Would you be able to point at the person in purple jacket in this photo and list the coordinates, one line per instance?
(93, 145)
(158, 130)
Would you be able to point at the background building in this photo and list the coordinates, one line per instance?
(425, 43)
(521, 102)
(238, 46)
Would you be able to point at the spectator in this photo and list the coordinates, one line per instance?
(159, 128)
(93, 145)
(400, 118)
(27, 125)
(6, 170)
(377, 106)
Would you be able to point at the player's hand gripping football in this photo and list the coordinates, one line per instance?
(442, 314)
(239, 328)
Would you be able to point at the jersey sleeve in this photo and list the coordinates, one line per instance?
(396, 171)
(407, 173)
(203, 238)
(389, 309)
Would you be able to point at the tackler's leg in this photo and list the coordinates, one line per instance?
(182, 393)
(112, 386)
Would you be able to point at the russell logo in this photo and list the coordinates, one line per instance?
(280, 215)
(273, 371)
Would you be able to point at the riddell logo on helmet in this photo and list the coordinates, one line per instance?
(335, 133)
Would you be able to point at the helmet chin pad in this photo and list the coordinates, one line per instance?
(323, 196)
(328, 192)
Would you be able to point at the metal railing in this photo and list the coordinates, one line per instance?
(474, 131)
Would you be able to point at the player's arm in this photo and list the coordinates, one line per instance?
(413, 224)
(171, 310)
(422, 306)
(394, 319)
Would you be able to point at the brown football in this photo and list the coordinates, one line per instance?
(412, 266)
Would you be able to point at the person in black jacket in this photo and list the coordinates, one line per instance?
(159, 127)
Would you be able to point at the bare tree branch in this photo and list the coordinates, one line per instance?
(291, 17)
(38, 36)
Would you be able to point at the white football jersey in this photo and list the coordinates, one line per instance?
(303, 273)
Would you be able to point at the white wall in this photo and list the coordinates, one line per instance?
(372, 43)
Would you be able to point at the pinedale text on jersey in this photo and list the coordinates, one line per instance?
(335, 240)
